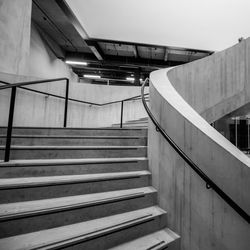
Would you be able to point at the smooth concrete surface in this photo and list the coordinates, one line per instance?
(27, 140)
(49, 111)
(216, 85)
(121, 227)
(159, 240)
(76, 131)
(36, 188)
(91, 203)
(42, 62)
(35, 61)
(14, 35)
(26, 168)
(199, 215)
(66, 152)
(31, 216)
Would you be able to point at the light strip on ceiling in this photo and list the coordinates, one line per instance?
(76, 63)
(130, 79)
(91, 76)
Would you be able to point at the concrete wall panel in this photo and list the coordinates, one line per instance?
(202, 218)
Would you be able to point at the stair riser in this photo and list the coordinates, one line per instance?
(76, 142)
(28, 171)
(45, 192)
(46, 221)
(80, 132)
(74, 153)
(121, 236)
(132, 126)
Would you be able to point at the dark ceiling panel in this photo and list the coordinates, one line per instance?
(52, 15)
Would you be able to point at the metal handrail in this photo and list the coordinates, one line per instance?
(137, 97)
(21, 85)
(208, 181)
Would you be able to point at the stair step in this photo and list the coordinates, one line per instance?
(75, 131)
(50, 167)
(132, 126)
(48, 152)
(35, 188)
(100, 233)
(24, 217)
(58, 140)
(159, 240)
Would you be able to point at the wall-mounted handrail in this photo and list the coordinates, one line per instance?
(205, 178)
(21, 85)
(133, 98)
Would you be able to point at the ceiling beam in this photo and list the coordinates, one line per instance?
(135, 51)
(166, 55)
(96, 50)
(122, 61)
(73, 19)
(206, 52)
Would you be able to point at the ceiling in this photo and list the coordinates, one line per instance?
(199, 24)
(111, 59)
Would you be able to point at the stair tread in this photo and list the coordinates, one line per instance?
(73, 147)
(80, 231)
(72, 128)
(40, 162)
(50, 180)
(20, 209)
(152, 241)
(75, 136)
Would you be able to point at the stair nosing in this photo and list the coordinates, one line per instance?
(139, 216)
(69, 179)
(69, 204)
(49, 162)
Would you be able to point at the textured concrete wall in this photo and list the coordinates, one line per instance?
(15, 18)
(218, 84)
(40, 110)
(202, 218)
(42, 62)
(92, 116)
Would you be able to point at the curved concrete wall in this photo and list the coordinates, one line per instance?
(218, 84)
(200, 216)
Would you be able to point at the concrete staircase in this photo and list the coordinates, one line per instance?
(80, 189)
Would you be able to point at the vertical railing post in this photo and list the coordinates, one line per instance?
(66, 104)
(121, 114)
(10, 124)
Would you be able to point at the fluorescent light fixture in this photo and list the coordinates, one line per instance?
(130, 79)
(76, 63)
(91, 76)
